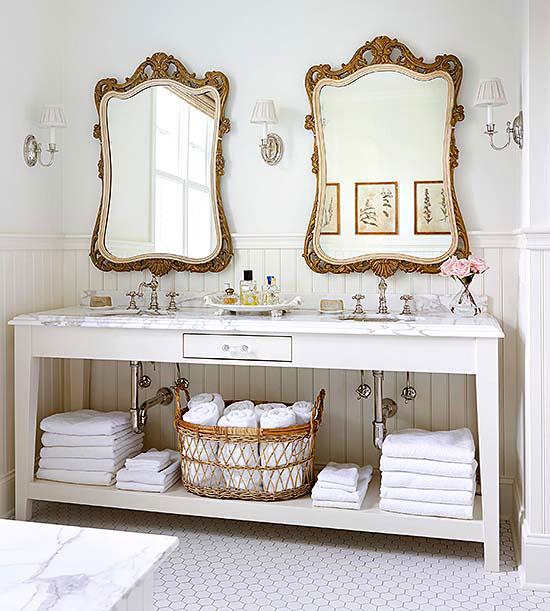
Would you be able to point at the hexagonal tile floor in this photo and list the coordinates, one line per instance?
(222, 564)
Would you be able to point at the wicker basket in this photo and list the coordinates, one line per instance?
(246, 463)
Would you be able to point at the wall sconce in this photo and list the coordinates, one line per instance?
(271, 146)
(52, 117)
(490, 93)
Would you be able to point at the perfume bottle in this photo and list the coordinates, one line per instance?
(271, 292)
(248, 289)
(229, 297)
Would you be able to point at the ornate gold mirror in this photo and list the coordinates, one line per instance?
(161, 162)
(384, 154)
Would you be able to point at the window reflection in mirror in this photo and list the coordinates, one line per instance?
(161, 142)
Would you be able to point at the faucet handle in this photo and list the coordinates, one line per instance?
(406, 307)
(132, 305)
(358, 306)
(172, 306)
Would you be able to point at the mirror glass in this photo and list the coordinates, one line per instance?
(384, 151)
(162, 143)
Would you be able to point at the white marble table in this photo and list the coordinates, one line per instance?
(67, 568)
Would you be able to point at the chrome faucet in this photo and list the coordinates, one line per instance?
(382, 303)
(153, 285)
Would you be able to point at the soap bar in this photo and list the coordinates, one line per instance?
(100, 301)
(331, 306)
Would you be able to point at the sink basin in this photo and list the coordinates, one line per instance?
(377, 317)
(132, 313)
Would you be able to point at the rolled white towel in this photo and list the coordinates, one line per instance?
(262, 408)
(344, 476)
(205, 414)
(152, 460)
(95, 478)
(321, 492)
(238, 405)
(115, 440)
(395, 479)
(447, 497)
(440, 510)
(114, 453)
(159, 478)
(445, 446)
(240, 454)
(273, 454)
(87, 422)
(428, 467)
(207, 397)
(303, 410)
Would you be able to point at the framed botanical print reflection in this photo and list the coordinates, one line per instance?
(330, 218)
(431, 213)
(376, 208)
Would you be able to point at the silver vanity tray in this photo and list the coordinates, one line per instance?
(288, 302)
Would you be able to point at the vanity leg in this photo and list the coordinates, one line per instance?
(488, 427)
(27, 369)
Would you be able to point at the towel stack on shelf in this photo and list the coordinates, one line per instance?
(429, 473)
(342, 486)
(151, 471)
(86, 446)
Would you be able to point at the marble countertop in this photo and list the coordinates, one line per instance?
(64, 568)
(203, 319)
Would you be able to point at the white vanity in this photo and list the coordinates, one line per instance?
(437, 343)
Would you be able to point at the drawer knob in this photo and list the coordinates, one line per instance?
(241, 348)
(225, 347)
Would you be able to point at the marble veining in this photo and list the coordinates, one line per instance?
(64, 568)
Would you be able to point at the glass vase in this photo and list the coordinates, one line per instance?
(463, 303)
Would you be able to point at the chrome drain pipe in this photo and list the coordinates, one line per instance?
(138, 412)
(379, 424)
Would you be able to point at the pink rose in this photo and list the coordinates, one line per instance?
(478, 266)
(446, 269)
(461, 268)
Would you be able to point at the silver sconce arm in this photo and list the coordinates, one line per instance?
(32, 152)
(513, 130)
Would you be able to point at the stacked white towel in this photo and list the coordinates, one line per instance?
(151, 471)
(86, 446)
(342, 486)
(429, 473)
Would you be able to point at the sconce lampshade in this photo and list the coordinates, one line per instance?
(490, 92)
(264, 112)
(53, 116)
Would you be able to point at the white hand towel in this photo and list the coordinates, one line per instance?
(207, 397)
(262, 408)
(320, 492)
(275, 454)
(205, 414)
(87, 422)
(446, 446)
(85, 464)
(336, 504)
(344, 476)
(303, 410)
(153, 460)
(91, 451)
(447, 497)
(238, 405)
(96, 478)
(149, 477)
(148, 487)
(428, 467)
(115, 440)
(240, 454)
(395, 479)
(440, 510)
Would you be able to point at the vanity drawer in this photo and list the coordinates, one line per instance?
(237, 347)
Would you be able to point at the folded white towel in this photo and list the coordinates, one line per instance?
(276, 454)
(149, 477)
(92, 451)
(207, 397)
(262, 408)
(440, 510)
(446, 446)
(344, 476)
(447, 497)
(240, 454)
(428, 467)
(86, 464)
(87, 422)
(116, 440)
(238, 405)
(303, 410)
(96, 478)
(152, 460)
(395, 479)
(205, 414)
(149, 487)
(337, 504)
(321, 491)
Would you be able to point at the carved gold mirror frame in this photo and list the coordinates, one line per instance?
(383, 53)
(160, 69)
